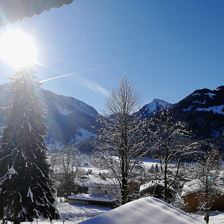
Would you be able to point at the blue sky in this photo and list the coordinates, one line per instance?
(166, 48)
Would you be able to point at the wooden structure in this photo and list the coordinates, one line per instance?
(194, 197)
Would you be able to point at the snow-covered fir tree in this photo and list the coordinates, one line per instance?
(25, 186)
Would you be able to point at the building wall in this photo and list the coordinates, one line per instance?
(193, 201)
(218, 204)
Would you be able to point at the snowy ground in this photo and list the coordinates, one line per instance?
(76, 214)
(71, 214)
(149, 162)
(215, 217)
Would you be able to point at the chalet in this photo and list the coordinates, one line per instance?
(194, 197)
(101, 191)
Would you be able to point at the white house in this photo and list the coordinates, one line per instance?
(101, 190)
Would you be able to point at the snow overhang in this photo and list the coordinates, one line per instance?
(13, 10)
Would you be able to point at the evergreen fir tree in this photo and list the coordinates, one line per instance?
(25, 186)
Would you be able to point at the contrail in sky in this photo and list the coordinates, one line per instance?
(93, 86)
(79, 72)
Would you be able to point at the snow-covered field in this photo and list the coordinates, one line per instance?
(71, 214)
(148, 163)
(78, 213)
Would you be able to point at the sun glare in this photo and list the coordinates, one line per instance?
(17, 49)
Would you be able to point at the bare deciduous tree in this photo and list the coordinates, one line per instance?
(172, 143)
(122, 138)
(65, 165)
(208, 169)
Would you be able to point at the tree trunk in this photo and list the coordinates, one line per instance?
(124, 191)
(165, 176)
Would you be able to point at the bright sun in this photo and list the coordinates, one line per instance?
(17, 49)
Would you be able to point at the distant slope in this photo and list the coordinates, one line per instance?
(68, 120)
(203, 110)
(204, 100)
(145, 210)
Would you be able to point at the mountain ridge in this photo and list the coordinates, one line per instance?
(72, 121)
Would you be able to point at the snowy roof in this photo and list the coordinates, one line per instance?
(93, 180)
(145, 210)
(192, 187)
(92, 197)
(196, 186)
(152, 183)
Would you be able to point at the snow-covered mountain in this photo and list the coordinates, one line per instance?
(204, 111)
(153, 107)
(68, 120)
(72, 121)
(204, 100)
